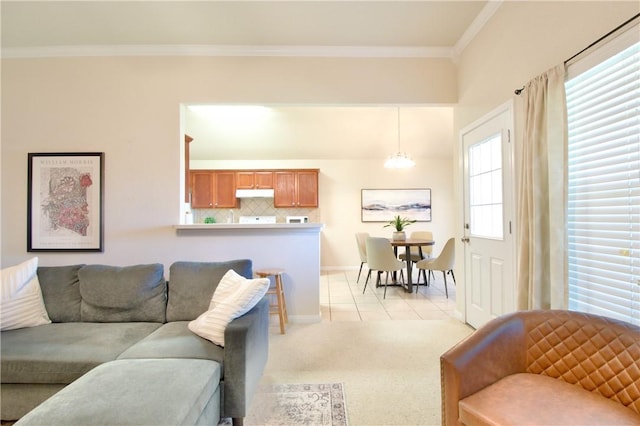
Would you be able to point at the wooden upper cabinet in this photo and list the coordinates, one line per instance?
(307, 181)
(187, 172)
(254, 180)
(213, 189)
(285, 189)
(263, 180)
(244, 180)
(201, 189)
(296, 188)
(225, 183)
(216, 189)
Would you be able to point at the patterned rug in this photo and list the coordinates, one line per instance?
(297, 404)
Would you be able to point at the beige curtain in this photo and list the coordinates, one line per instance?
(542, 183)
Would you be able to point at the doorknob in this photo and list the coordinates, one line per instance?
(465, 239)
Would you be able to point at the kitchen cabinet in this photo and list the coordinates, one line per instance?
(213, 189)
(296, 188)
(187, 172)
(254, 180)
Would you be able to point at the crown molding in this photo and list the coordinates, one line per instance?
(227, 50)
(476, 26)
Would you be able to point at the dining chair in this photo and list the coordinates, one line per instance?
(361, 238)
(381, 258)
(444, 262)
(414, 252)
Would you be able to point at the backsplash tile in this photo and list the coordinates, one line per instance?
(255, 207)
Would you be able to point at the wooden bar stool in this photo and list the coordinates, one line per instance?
(280, 306)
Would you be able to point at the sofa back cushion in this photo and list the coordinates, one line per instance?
(61, 292)
(191, 285)
(122, 294)
(599, 354)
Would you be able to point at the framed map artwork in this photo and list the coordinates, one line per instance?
(64, 206)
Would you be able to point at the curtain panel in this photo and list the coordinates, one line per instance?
(541, 211)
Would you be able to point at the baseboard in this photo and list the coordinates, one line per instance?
(339, 268)
(305, 319)
(459, 316)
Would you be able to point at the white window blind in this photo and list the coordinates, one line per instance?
(603, 105)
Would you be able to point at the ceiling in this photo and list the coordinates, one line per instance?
(259, 24)
(274, 28)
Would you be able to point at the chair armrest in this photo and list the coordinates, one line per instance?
(496, 350)
(245, 357)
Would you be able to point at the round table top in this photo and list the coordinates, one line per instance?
(412, 242)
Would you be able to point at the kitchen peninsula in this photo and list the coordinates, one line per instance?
(292, 247)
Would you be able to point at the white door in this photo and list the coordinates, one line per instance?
(488, 217)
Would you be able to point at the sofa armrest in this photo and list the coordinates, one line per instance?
(496, 350)
(245, 357)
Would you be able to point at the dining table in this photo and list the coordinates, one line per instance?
(407, 244)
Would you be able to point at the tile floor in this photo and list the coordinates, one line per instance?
(342, 299)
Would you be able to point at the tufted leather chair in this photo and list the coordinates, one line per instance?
(597, 354)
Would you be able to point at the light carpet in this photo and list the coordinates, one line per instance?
(390, 369)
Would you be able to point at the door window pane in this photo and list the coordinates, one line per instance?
(485, 188)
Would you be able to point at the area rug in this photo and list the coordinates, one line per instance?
(297, 404)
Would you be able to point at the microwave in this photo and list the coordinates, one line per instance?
(297, 219)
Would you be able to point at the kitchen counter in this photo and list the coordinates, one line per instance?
(294, 247)
(254, 226)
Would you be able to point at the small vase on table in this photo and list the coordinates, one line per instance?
(399, 236)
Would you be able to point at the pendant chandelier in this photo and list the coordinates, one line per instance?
(399, 160)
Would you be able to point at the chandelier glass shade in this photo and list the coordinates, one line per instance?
(399, 160)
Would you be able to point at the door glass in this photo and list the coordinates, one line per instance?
(485, 188)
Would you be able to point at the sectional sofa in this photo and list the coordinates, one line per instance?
(119, 350)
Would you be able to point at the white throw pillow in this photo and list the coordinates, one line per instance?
(22, 304)
(227, 285)
(236, 297)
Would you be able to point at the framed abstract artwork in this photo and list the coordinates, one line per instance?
(65, 201)
(381, 205)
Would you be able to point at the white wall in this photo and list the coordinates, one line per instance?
(340, 195)
(129, 108)
(522, 40)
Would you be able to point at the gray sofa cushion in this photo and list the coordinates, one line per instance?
(18, 399)
(61, 292)
(120, 294)
(174, 340)
(60, 353)
(191, 285)
(136, 392)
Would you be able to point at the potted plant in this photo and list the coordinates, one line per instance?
(399, 223)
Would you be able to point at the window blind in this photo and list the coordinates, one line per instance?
(603, 221)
